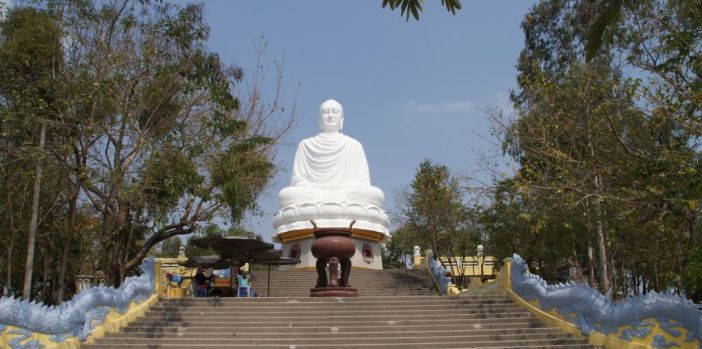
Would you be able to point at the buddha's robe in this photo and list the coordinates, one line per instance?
(330, 168)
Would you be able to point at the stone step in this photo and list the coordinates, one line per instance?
(358, 342)
(370, 285)
(339, 307)
(297, 322)
(389, 280)
(223, 303)
(472, 322)
(335, 308)
(343, 315)
(501, 345)
(324, 321)
(341, 332)
(338, 315)
(338, 318)
(360, 293)
(518, 326)
(327, 301)
(362, 280)
(418, 299)
(368, 288)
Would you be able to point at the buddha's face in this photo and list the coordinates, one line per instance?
(331, 117)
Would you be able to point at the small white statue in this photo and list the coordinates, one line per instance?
(417, 251)
(480, 250)
(330, 167)
(181, 252)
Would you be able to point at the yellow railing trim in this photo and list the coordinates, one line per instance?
(115, 321)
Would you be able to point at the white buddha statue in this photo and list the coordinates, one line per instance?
(330, 180)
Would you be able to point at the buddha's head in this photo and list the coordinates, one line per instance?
(331, 117)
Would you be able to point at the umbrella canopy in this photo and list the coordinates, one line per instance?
(284, 261)
(238, 248)
(214, 262)
(263, 257)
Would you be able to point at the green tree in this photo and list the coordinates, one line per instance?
(414, 7)
(433, 214)
(145, 135)
(397, 252)
(173, 149)
(30, 53)
(606, 155)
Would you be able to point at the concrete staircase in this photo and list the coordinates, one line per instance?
(385, 315)
(386, 282)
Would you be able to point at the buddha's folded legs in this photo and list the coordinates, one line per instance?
(367, 195)
(295, 195)
(361, 195)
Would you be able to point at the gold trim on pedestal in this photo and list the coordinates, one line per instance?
(305, 233)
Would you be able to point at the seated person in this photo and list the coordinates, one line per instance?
(174, 279)
(244, 283)
(202, 282)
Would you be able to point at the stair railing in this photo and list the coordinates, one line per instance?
(25, 324)
(439, 273)
(655, 320)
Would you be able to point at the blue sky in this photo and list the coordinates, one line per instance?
(410, 90)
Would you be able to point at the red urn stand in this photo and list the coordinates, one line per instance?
(333, 246)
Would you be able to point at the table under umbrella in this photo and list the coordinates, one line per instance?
(234, 248)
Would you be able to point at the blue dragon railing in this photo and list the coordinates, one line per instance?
(591, 311)
(439, 273)
(77, 317)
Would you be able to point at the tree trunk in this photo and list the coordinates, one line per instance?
(113, 268)
(600, 227)
(614, 278)
(99, 250)
(575, 265)
(114, 263)
(29, 264)
(591, 264)
(8, 280)
(11, 243)
(70, 232)
(45, 297)
(62, 273)
(130, 238)
(603, 256)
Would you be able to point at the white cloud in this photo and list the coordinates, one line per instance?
(440, 108)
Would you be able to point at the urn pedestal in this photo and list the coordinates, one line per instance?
(333, 246)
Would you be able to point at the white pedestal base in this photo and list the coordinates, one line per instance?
(307, 260)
